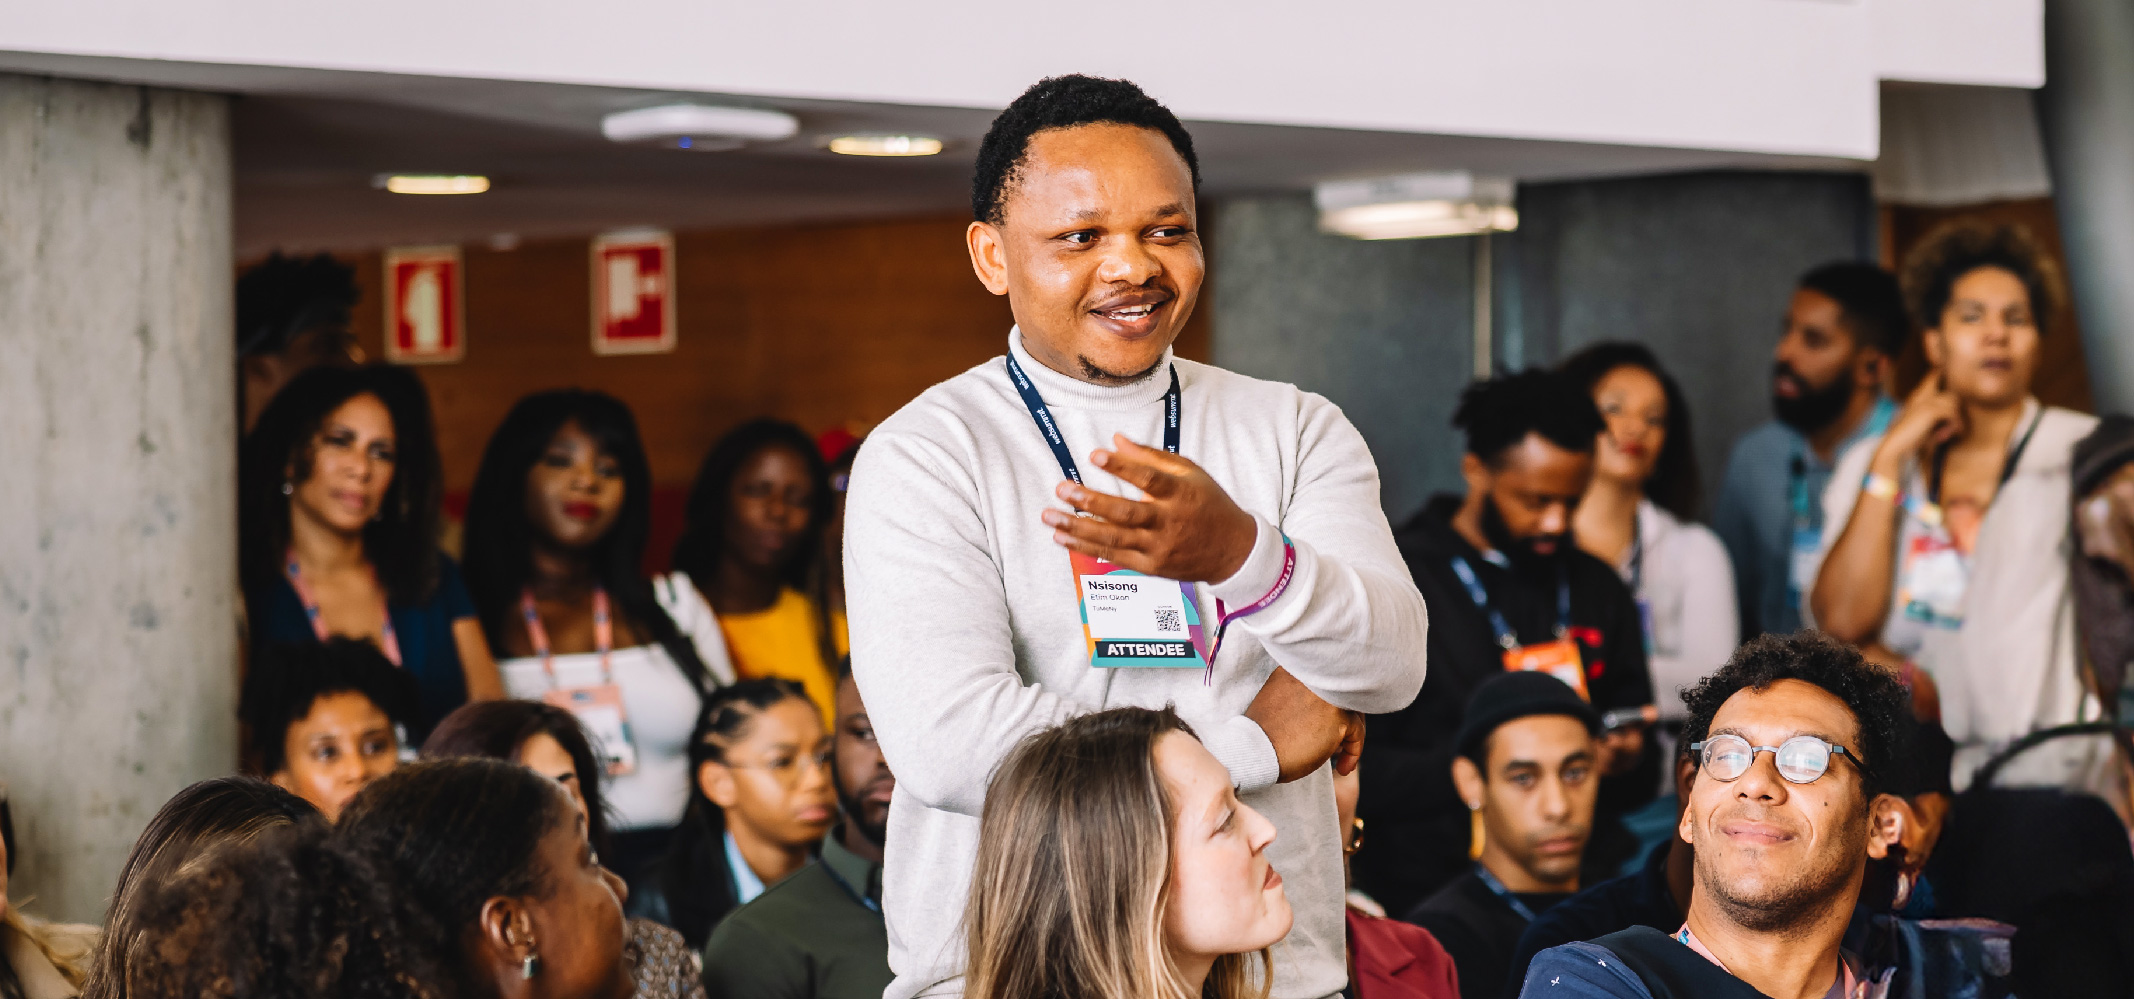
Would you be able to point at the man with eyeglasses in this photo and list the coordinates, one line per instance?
(1794, 741)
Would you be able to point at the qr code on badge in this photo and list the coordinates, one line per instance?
(1167, 619)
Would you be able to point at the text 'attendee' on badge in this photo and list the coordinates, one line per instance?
(1090, 522)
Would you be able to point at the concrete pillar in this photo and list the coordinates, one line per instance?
(118, 546)
(2087, 110)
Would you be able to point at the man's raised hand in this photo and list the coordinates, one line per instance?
(1187, 528)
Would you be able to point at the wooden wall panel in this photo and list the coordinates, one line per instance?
(825, 325)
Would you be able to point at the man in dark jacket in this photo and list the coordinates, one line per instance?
(1527, 770)
(1507, 589)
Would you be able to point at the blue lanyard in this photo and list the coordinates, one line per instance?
(1506, 637)
(1042, 416)
(857, 895)
(1490, 881)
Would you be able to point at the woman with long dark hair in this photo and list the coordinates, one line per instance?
(338, 497)
(761, 801)
(1639, 515)
(742, 566)
(555, 534)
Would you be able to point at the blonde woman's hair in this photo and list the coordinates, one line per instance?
(1074, 872)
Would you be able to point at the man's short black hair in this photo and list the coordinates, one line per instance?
(1869, 302)
(1960, 247)
(1874, 695)
(286, 680)
(1064, 102)
(1498, 413)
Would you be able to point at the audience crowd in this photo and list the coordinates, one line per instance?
(1856, 738)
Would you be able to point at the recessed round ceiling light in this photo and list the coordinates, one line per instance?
(885, 145)
(432, 183)
(699, 127)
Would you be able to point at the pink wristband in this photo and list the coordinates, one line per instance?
(1274, 593)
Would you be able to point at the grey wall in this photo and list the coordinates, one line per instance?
(2087, 110)
(117, 551)
(1381, 328)
(1698, 266)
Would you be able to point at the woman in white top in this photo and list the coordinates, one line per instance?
(556, 529)
(1946, 538)
(1637, 513)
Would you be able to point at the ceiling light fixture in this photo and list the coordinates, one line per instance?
(1417, 206)
(431, 183)
(885, 145)
(699, 127)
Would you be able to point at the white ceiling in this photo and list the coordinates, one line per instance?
(308, 142)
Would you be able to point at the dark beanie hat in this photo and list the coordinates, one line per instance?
(1517, 694)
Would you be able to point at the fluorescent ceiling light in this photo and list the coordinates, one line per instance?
(1417, 206)
(699, 126)
(432, 183)
(885, 145)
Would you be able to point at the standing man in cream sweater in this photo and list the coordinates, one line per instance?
(1220, 535)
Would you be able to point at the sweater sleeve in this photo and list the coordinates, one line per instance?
(932, 647)
(1351, 625)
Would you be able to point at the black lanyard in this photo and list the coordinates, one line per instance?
(1042, 416)
(1506, 637)
(1490, 881)
(1941, 461)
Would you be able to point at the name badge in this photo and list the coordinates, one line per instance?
(1933, 580)
(599, 711)
(1133, 620)
(1559, 659)
(1803, 561)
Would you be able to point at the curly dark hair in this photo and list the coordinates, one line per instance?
(1869, 303)
(452, 834)
(195, 822)
(1674, 485)
(1498, 413)
(402, 543)
(1874, 695)
(1064, 102)
(282, 686)
(1955, 249)
(498, 543)
(290, 914)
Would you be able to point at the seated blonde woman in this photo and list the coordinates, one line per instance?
(1115, 861)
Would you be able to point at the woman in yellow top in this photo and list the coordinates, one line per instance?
(755, 518)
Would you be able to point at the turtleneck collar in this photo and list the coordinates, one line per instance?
(1068, 391)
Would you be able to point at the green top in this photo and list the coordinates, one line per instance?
(812, 936)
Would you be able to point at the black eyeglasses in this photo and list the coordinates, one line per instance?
(1801, 759)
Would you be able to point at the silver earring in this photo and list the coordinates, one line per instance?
(529, 967)
(288, 487)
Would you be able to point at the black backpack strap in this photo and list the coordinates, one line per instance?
(1670, 970)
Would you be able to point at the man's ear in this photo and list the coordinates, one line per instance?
(1872, 369)
(1685, 777)
(1467, 780)
(1888, 817)
(716, 780)
(1477, 473)
(988, 257)
(1685, 828)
